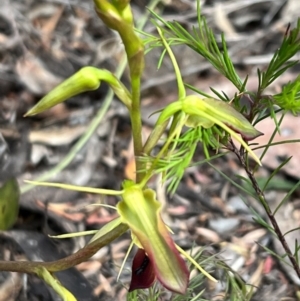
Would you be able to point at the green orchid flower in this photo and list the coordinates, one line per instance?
(140, 211)
(158, 256)
(207, 112)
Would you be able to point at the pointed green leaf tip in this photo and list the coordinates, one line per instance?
(140, 211)
(86, 79)
(9, 203)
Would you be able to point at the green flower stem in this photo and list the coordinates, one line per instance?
(180, 84)
(118, 16)
(65, 263)
(160, 128)
(136, 65)
(55, 284)
(175, 131)
(136, 123)
(154, 137)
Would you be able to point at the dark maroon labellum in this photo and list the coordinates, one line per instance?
(143, 274)
(143, 266)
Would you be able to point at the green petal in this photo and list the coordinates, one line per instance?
(222, 111)
(140, 211)
(220, 115)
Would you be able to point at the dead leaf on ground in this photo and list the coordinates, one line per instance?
(56, 136)
(37, 78)
(62, 210)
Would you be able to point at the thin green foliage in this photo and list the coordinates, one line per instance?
(281, 258)
(280, 60)
(203, 41)
(289, 98)
(285, 199)
(295, 229)
(275, 172)
(221, 96)
(232, 181)
(260, 220)
(276, 183)
(276, 130)
(197, 90)
(264, 114)
(292, 141)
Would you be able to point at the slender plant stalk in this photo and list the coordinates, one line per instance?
(136, 122)
(268, 210)
(67, 262)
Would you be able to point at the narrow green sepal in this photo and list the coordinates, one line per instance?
(51, 280)
(106, 229)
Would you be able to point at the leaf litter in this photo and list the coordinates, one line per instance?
(44, 42)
